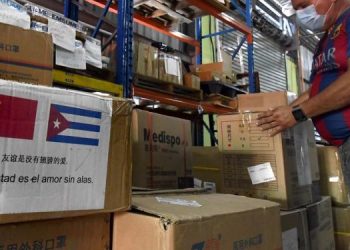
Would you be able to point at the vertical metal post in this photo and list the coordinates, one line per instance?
(101, 19)
(199, 37)
(213, 139)
(252, 88)
(71, 10)
(198, 130)
(125, 45)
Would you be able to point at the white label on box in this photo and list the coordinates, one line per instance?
(93, 52)
(334, 179)
(290, 239)
(74, 60)
(179, 202)
(54, 151)
(211, 186)
(50, 14)
(14, 14)
(62, 35)
(261, 173)
(40, 27)
(197, 183)
(172, 66)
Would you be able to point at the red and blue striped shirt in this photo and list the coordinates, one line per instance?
(329, 63)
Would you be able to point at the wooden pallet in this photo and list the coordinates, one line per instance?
(168, 88)
(222, 101)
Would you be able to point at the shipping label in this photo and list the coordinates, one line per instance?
(50, 14)
(261, 173)
(54, 151)
(75, 59)
(62, 35)
(179, 202)
(93, 52)
(14, 14)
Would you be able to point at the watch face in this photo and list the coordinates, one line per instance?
(299, 115)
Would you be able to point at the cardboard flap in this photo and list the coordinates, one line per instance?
(176, 208)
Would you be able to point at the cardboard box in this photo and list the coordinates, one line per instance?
(58, 157)
(341, 216)
(207, 165)
(342, 241)
(280, 164)
(192, 81)
(161, 150)
(146, 60)
(209, 72)
(198, 222)
(25, 55)
(321, 225)
(295, 230)
(90, 232)
(260, 102)
(332, 178)
(170, 68)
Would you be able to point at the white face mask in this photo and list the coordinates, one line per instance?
(310, 19)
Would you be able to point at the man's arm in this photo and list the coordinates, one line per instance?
(334, 97)
(302, 98)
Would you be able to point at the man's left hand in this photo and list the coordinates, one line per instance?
(276, 120)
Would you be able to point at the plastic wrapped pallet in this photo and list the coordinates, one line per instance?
(332, 178)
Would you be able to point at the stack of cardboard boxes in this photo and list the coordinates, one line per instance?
(65, 157)
(157, 65)
(191, 219)
(283, 168)
(333, 184)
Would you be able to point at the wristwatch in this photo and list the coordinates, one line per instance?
(299, 114)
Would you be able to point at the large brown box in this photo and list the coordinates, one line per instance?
(321, 225)
(25, 55)
(80, 233)
(259, 102)
(146, 60)
(198, 222)
(244, 145)
(37, 200)
(295, 230)
(161, 150)
(332, 177)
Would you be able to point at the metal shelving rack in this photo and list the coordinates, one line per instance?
(126, 17)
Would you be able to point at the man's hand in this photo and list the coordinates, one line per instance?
(276, 120)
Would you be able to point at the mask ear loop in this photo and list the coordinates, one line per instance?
(326, 14)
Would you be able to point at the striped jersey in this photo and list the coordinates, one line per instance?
(329, 63)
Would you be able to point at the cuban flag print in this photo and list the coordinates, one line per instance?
(73, 125)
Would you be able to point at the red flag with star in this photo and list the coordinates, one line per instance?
(57, 123)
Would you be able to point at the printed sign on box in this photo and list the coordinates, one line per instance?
(54, 149)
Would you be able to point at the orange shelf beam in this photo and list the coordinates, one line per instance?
(179, 102)
(153, 25)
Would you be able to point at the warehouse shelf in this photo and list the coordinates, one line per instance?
(78, 81)
(181, 103)
(210, 7)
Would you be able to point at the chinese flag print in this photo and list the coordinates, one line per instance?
(17, 117)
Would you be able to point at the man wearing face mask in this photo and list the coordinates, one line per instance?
(327, 102)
